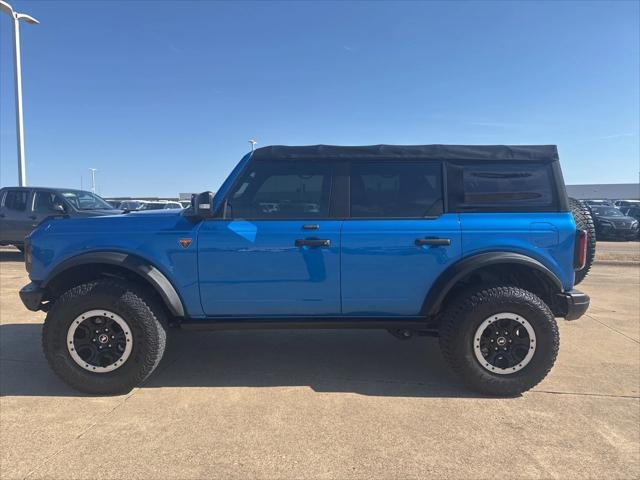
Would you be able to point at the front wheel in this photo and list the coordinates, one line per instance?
(501, 340)
(105, 336)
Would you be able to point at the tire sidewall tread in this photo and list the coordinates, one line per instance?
(460, 322)
(144, 317)
(584, 221)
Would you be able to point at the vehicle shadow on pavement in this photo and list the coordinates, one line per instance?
(354, 361)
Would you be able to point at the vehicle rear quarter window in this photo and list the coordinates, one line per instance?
(280, 190)
(395, 190)
(501, 187)
(16, 200)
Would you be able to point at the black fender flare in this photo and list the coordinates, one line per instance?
(135, 264)
(439, 290)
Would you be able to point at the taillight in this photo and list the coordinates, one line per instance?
(27, 254)
(580, 252)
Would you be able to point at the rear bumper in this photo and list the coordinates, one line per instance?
(572, 304)
(31, 295)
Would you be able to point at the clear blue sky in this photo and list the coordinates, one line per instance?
(162, 96)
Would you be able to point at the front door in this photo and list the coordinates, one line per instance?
(398, 240)
(277, 251)
(46, 204)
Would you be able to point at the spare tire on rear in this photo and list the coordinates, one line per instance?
(584, 221)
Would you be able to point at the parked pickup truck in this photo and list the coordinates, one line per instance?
(23, 208)
(473, 244)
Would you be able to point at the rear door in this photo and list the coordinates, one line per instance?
(398, 240)
(276, 252)
(16, 223)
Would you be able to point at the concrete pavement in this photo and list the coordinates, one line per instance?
(328, 404)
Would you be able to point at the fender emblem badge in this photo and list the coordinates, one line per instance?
(185, 242)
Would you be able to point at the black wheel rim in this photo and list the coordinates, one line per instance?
(504, 343)
(99, 341)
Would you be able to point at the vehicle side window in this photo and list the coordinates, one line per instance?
(16, 200)
(45, 202)
(396, 190)
(275, 190)
(502, 187)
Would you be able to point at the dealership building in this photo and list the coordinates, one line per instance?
(605, 191)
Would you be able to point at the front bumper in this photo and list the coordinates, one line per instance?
(31, 295)
(572, 304)
(608, 231)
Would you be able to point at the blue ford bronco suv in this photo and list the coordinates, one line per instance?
(473, 244)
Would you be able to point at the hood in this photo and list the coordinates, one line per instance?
(91, 213)
(115, 224)
(615, 218)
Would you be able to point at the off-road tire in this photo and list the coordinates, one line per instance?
(584, 221)
(463, 317)
(133, 303)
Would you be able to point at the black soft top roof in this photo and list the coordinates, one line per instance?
(524, 153)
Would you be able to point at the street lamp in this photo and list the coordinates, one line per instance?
(6, 8)
(93, 179)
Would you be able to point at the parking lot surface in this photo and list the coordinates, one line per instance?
(330, 404)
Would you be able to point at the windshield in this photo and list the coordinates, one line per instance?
(607, 212)
(85, 200)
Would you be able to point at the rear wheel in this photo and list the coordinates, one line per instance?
(104, 337)
(584, 221)
(501, 340)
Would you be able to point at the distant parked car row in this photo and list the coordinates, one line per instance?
(615, 220)
(611, 203)
(131, 205)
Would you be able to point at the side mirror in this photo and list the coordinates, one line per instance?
(202, 205)
(58, 208)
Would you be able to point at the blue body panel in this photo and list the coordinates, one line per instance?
(250, 268)
(151, 235)
(546, 237)
(253, 268)
(384, 273)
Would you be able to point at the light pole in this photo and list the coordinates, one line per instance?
(93, 179)
(6, 8)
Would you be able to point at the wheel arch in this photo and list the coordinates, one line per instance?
(540, 279)
(109, 263)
